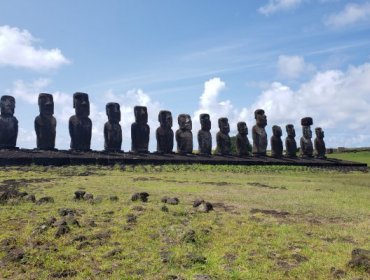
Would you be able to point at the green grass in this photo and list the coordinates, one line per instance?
(363, 157)
(328, 217)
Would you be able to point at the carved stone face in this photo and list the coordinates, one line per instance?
(242, 128)
(46, 104)
(276, 131)
(165, 119)
(141, 114)
(184, 121)
(81, 104)
(205, 122)
(223, 124)
(7, 105)
(113, 112)
(261, 119)
(319, 133)
(290, 131)
(307, 133)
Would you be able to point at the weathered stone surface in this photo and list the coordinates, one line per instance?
(80, 125)
(306, 142)
(242, 141)
(14, 255)
(140, 131)
(112, 128)
(8, 123)
(223, 138)
(142, 196)
(290, 143)
(259, 133)
(79, 195)
(204, 135)
(184, 136)
(45, 123)
(62, 230)
(360, 259)
(45, 199)
(276, 143)
(320, 148)
(164, 133)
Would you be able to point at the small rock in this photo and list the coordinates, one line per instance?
(45, 199)
(197, 202)
(79, 238)
(83, 245)
(62, 229)
(173, 201)
(64, 274)
(130, 218)
(30, 198)
(205, 207)
(113, 198)
(202, 277)
(189, 237)
(164, 208)
(360, 258)
(164, 199)
(113, 253)
(14, 255)
(66, 211)
(79, 195)
(102, 235)
(337, 273)
(195, 258)
(92, 223)
(143, 196)
(8, 243)
(22, 194)
(138, 208)
(89, 197)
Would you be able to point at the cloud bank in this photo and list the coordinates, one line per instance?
(351, 14)
(274, 6)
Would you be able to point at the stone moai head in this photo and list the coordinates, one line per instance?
(261, 119)
(276, 131)
(184, 121)
(113, 112)
(165, 119)
(7, 105)
(46, 104)
(205, 122)
(141, 114)
(290, 130)
(306, 127)
(223, 124)
(242, 128)
(81, 104)
(319, 133)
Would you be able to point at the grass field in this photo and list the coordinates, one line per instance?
(267, 223)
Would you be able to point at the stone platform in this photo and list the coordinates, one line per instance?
(64, 157)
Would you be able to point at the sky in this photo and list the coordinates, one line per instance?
(292, 58)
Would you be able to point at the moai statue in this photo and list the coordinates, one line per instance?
(204, 135)
(112, 128)
(184, 136)
(45, 123)
(223, 138)
(140, 131)
(259, 133)
(242, 142)
(290, 143)
(8, 123)
(306, 142)
(276, 143)
(80, 125)
(164, 133)
(319, 143)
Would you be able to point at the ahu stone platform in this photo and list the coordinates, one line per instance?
(64, 157)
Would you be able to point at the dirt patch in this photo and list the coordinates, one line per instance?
(226, 208)
(219, 184)
(15, 183)
(259, 185)
(136, 179)
(275, 213)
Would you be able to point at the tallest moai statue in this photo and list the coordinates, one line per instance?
(259, 133)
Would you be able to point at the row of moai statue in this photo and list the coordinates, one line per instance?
(80, 128)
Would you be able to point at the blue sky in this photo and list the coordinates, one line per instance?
(293, 58)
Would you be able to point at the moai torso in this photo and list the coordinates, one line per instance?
(204, 135)
(164, 133)
(140, 131)
(259, 133)
(320, 146)
(8, 123)
(290, 143)
(306, 142)
(242, 142)
(45, 123)
(80, 125)
(276, 143)
(184, 136)
(223, 138)
(112, 128)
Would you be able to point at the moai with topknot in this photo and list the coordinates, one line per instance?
(259, 133)
(242, 142)
(290, 143)
(276, 143)
(80, 125)
(164, 133)
(184, 136)
(112, 128)
(45, 123)
(8, 123)
(223, 138)
(320, 147)
(140, 131)
(204, 135)
(306, 142)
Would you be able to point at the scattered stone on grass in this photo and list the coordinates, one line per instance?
(108, 213)
(8, 243)
(30, 198)
(79, 195)
(66, 211)
(131, 218)
(197, 202)
(102, 235)
(113, 198)
(79, 238)
(64, 274)
(45, 199)
(202, 277)
(62, 230)
(83, 244)
(360, 259)
(164, 208)
(173, 201)
(205, 207)
(189, 237)
(142, 196)
(194, 258)
(89, 197)
(92, 223)
(337, 273)
(14, 255)
(138, 208)
(174, 277)
(259, 185)
(299, 258)
(270, 212)
(113, 252)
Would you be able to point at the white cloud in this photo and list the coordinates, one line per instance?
(274, 6)
(18, 49)
(293, 67)
(351, 14)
